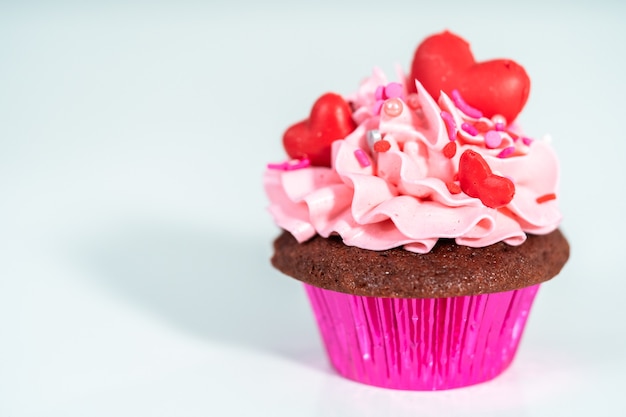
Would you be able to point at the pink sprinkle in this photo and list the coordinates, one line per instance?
(379, 93)
(393, 90)
(527, 141)
(469, 129)
(361, 156)
(492, 139)
(506, 152)
(282, 166)
(464, 107)
(291, 165)
(450, 125)
(298, 164)
(500, 127)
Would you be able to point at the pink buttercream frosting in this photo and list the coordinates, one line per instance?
(402, 197)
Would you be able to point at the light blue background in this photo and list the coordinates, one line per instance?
(134, 243)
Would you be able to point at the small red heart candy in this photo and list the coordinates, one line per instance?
(330, 119)
(477, 181)
(444, 62)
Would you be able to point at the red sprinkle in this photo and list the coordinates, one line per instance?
(453, 187)
(449, 150)
(546, 197)
(382, 146)
(527, 141)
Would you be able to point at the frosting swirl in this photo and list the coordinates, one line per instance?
(407, 192)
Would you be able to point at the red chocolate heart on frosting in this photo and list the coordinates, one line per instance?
(478, 181)
(444, 62)
(330, 119)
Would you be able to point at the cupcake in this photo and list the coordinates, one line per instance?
(420, 219)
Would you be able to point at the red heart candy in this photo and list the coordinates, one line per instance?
(330, 119)
(444, 62)
(477, 180)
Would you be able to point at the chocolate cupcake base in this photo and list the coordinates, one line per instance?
(448, 270)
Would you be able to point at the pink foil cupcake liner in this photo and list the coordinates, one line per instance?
(422, 343)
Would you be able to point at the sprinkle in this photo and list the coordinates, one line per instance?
(382, 146)
(506, 152)
(298, 164)
(492, 139)
(453, 187)
(413, 101)
(468, 128)
(546, 197)
(361, 156)
(393, 107)
(527, 141)
(394, 90)
(464, 107)
(291, 165)
(498, 118)
(373, 136)
(455, 177)
(450, 125)
(513, 135)
(449, 150)
(282, 166)
(500, 126)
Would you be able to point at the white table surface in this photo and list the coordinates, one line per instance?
(134, 243)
